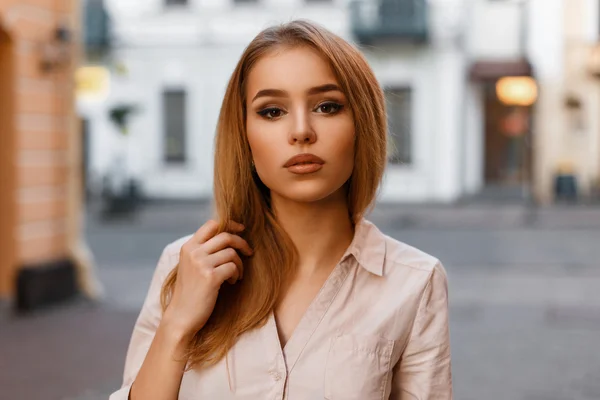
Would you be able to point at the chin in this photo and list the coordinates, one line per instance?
(308, 192)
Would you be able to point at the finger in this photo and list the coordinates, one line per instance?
(227, 272)
(224, 256)
(234, 226)
(205, 232)
(224, 240)
(210, 229)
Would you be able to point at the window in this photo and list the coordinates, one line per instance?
(399, 111)
(174, 125)
(176, 2)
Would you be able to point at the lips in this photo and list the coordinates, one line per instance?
(304, 164)
(303, 159)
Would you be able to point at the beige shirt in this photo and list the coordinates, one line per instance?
(378, 329)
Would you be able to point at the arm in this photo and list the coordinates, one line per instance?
(423, 372)
(162, 370)
(154, 359)
(155, 345)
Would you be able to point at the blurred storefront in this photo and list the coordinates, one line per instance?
(551, 47)
(503, 126)
(42, 255)
(497, 141)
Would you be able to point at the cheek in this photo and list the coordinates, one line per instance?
(341, 144)
(348, 156)
(263, 143)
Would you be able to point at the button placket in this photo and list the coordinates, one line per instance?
(276, 376)
(279, 380)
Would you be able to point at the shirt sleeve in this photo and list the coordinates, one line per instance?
(145, 326)
(424, 369)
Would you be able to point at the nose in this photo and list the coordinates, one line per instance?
(302, 132)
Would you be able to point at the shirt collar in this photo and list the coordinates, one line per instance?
(368, 247)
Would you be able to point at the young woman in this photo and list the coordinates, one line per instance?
(290, 293)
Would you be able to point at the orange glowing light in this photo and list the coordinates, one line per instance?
(517, 90)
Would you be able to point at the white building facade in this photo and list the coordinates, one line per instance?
(172, 59)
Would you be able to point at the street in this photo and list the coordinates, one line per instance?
(524, 301)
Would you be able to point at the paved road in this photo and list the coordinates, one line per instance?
(525, 304)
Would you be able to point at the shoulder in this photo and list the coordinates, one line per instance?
(173, 248)
(170, 257)
(405, 262)
(405, 280)
(168, 261)
(400, 255)
(396, 261)
(419, 276)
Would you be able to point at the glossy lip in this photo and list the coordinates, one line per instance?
(304, 164)
(306, 158)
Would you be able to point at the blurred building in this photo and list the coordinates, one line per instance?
(40, 243)
(496, 147)
(550, 148)
(576, 144)
(441, 62)
(170, 62)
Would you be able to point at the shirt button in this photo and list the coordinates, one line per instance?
(276, 375)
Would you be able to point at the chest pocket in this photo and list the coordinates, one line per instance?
(358, 367)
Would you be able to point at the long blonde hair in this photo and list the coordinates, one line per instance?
(239, 194)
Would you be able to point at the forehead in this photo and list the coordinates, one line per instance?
(293, 69)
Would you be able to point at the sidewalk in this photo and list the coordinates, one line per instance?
(74, 351)
(490, 216)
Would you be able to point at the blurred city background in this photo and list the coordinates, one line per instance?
(107, 116)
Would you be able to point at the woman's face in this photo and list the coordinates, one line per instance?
(296, 108)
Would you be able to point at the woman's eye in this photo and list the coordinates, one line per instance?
(329, 108)
(271, 113)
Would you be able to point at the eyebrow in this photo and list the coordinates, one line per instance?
(329, 87)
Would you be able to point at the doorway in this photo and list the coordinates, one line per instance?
(507, 142)
(7, 165)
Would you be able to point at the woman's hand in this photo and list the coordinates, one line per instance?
(206, 261)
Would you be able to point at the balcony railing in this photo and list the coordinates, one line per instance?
(389, 20)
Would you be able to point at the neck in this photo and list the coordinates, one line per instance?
(321, 231)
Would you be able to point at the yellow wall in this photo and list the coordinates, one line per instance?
(580, 141)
